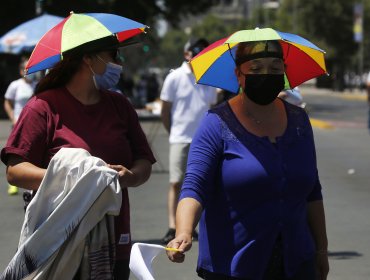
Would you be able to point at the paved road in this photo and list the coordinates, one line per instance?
(343, 157)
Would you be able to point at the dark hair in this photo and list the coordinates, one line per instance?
(60, 74)
(65, 69)
(244, 51)
(195, 42)
(23, 63)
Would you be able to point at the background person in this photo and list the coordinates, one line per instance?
(183, 105)
(74, 108)
(368, 88)
(15, 98)
(253, 183)
(293, 96)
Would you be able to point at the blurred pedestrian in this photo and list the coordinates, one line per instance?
(15, 98)
(73, 108)
(368, 88)
(224, 95)
(183, 105)
(152, 88)
(253, 183)
(141, 91)
(292, 96)
(368, 98)
(127, 85)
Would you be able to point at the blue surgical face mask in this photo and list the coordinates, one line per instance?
(109, 78)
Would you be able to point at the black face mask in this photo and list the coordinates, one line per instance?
(263, 89)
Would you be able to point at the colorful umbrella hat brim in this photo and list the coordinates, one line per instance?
(215, 65)
(81, 31)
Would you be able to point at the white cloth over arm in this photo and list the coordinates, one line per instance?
(71, 204)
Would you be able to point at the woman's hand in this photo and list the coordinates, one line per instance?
(183, 242)
(135, 176)
(125, 175)
(322, 265)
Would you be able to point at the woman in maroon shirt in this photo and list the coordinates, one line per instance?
(74, 108)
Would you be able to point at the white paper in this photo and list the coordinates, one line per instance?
(141, 259)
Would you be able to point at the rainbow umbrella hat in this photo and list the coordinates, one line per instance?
(215, 65)
(78, 31)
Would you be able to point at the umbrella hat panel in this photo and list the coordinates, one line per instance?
(215, 66)
(301, 66)
(264, 34)
(222, 74)
(207, 57)
(48, 49)
(80, 29)
(317, 56)
(80, 33)
(298, 40)
(114, 23)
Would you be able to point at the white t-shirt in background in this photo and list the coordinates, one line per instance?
(19, 91)
(190, 101)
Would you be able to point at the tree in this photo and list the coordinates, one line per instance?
(211, 28)
(16, 12)
(329, 24)
(146, 11)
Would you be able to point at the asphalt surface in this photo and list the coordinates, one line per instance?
(343, 151)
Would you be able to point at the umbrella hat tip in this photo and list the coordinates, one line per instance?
(71, 12)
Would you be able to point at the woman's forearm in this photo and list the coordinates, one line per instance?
(187, 216)
(8, 107)
(24, 174)
(316, 219)
(166, 115)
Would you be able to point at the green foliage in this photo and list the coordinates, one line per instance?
(264, 18)
(329, 24)
(146, 11)
(172, 49)
(211, 28)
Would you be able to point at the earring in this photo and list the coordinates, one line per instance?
(240, 89)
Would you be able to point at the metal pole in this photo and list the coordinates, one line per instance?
(362, 41)
(359, 34)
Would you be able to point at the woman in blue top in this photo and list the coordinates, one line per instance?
(252, 181)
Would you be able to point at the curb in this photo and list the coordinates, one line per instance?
(321, 124)
(355, 94)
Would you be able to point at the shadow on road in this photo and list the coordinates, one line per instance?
(344, 255)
